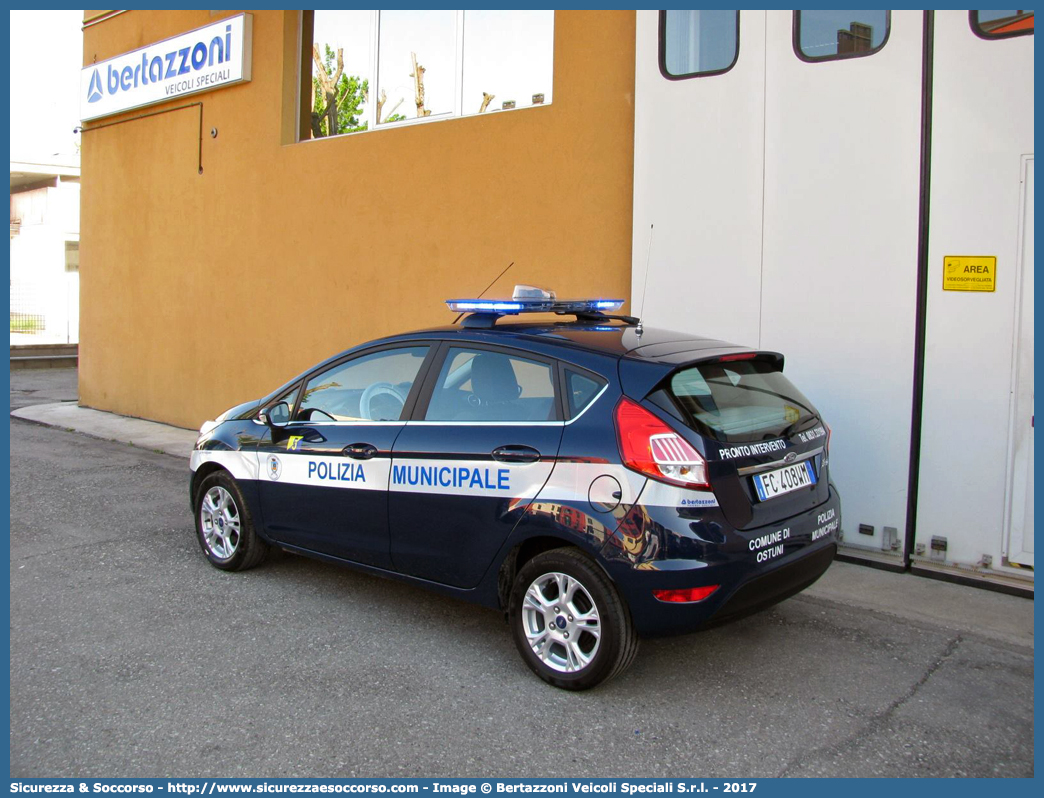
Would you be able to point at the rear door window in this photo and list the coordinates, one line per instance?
(484, 385)
(581, 389)
(740, 401)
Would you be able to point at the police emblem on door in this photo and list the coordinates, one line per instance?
(275, 468)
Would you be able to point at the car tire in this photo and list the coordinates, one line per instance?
(224, 528)
(559, 599)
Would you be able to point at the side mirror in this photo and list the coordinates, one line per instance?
(278, 415)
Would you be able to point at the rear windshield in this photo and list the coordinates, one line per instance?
(744, 400)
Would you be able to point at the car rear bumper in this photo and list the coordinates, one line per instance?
(753, 569)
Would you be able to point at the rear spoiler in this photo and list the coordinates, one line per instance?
(639, 377)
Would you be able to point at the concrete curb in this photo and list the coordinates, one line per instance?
(150, 435)
(44, 356)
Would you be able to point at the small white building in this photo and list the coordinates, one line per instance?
(45, 251)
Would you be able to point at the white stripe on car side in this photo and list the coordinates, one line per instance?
(572, 481)
(241, 465)
(566, 482)
(328, 471)
(469, 477)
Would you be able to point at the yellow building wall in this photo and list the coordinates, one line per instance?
(199, 291)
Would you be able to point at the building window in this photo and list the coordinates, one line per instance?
(1001, 24)
(375, 68)
(416, 62)
(508, 58)
(830, 35)
(698, 43)
(341, 53)
(72, 256)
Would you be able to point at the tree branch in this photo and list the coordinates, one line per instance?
(380, 104)
(324, 76)
(340, 65)
(347, 93)
(392, 111)
(418, 85)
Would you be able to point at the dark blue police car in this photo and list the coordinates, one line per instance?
(595, 480)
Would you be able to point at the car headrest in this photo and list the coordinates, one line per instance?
(493, 379)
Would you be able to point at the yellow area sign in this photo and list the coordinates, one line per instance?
(969, 273)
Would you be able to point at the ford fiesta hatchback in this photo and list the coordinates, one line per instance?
(595, 480)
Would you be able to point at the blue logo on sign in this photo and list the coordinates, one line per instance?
(94, 91)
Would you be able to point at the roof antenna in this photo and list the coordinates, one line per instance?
(484, 290)
(645, 285)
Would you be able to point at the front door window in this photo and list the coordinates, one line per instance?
(368, 388)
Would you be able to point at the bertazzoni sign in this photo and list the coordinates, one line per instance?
(201, 60)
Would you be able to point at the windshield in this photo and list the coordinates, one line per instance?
(744, 400)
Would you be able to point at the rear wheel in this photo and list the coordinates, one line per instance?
(570, 624)
(224, 527)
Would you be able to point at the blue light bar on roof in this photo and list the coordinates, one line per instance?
(484, 306)
(510, 307)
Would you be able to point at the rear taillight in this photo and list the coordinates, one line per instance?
(651, 447)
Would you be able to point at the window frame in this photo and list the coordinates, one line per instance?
(973, 22)
(796, 40)
(662, 53)
(411, 397)
(290, 396)
(368, 115)
(435, 369)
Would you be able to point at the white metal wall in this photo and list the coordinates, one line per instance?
(839, 283)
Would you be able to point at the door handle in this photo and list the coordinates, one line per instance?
(360, 451)
(516, 454)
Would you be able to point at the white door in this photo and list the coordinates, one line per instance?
(1020, 488)
(982, 129)
(698, 166)
(839, 281)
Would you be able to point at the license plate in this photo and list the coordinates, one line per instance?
(784, 480)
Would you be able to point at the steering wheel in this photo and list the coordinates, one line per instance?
(375, 390)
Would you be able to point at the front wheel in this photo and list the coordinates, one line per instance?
(569, 623)
(224, 527)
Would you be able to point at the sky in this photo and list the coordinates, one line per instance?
(46, 58)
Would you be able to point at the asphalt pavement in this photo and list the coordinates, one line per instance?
(131, 656)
